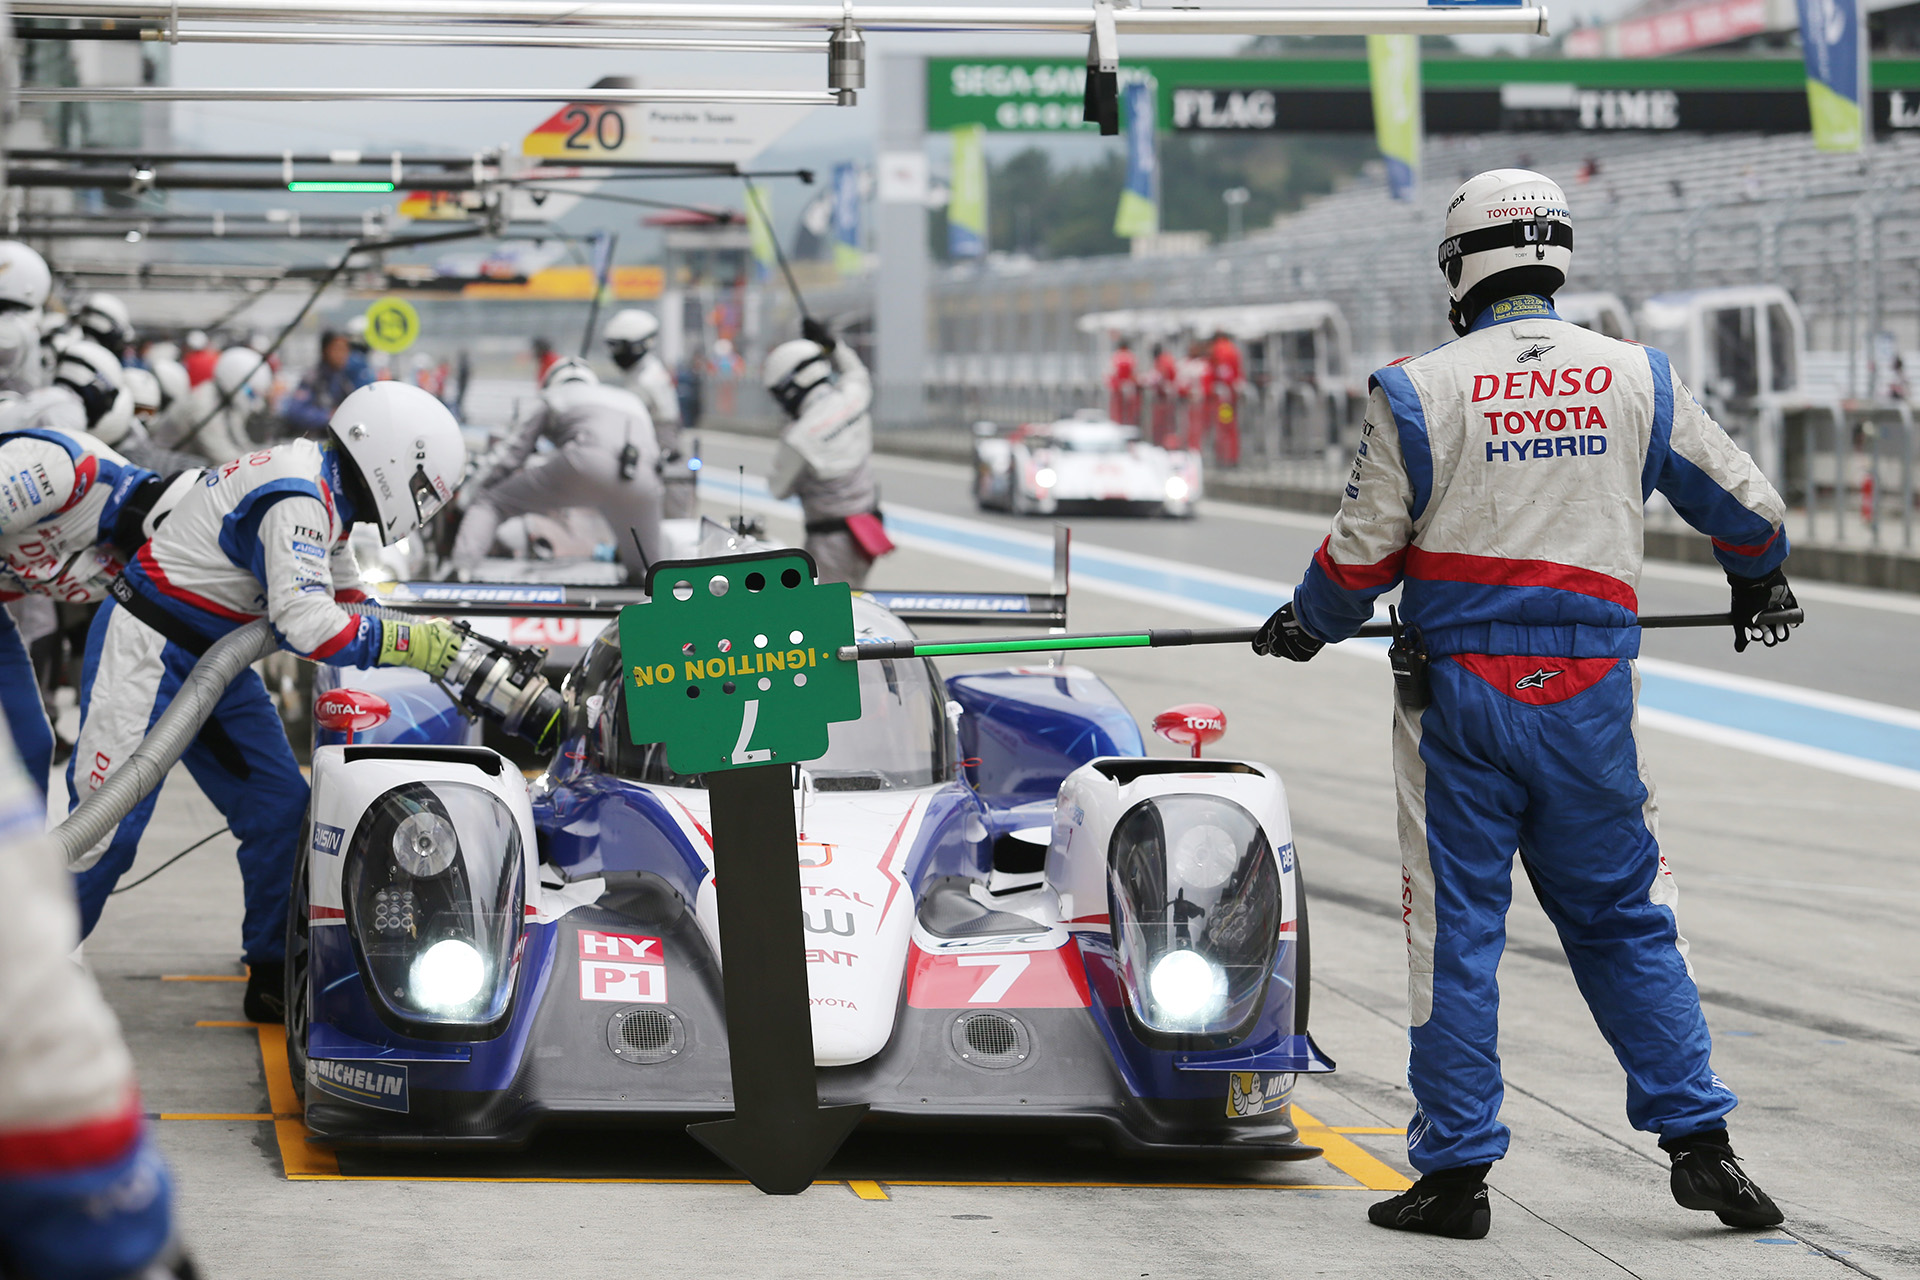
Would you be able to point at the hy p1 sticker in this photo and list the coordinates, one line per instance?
(624, 968)
(372, 1084)
(1255, 1093)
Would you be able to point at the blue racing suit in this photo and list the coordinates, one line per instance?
(1502, 478)
(263, 536)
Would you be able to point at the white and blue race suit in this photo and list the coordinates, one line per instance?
(1502, 479)
(264, 535)
(62, 495)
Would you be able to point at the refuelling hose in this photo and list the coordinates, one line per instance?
(97, 815)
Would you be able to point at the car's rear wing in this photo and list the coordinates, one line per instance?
(554, 600)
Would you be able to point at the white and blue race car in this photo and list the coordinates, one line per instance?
(1086, 464)
(1014, 918)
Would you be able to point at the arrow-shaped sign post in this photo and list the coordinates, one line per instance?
(732, 664)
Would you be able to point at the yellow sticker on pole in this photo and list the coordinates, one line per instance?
(392, 325)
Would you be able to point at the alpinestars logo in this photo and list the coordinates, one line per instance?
(1533, 353)
(1538, 680)
(1413, 1212)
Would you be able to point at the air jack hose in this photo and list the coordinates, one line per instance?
(83, 833)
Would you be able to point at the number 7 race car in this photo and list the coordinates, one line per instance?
(1014, 916)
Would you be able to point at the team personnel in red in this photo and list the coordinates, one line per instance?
(1123, 386)
(1166, 390)
(1223, 399)
(1503, 478)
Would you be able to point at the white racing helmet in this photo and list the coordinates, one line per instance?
(794, 369)
(106, 320)
(242, 373)
(19, 351)
(629, 335)
(148, 397)
(1504, 220)
(408, 451)
(571, 369)
(176, 487)
(173, 380)
(24, 278)
(196, 340)
(89, 371)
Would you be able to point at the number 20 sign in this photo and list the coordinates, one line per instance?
(735, 661)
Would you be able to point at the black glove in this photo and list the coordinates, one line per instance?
(813, 331)
(1753, 597)
(1283, 636)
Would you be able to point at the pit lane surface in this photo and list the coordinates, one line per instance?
(1800, 888)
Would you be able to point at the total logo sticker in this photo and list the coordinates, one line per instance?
(622, 968)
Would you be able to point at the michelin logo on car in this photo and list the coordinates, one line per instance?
(379, 1086)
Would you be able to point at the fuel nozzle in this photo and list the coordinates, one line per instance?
(846, 60)
(504, 683)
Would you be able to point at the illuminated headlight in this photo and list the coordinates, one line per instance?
(1194, 896)
(1187, 986)
(1045, 478)
(1177, 489)
(447, 976)
(435, 894)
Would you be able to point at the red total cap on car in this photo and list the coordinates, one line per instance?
(349, 711)
(1191, 724)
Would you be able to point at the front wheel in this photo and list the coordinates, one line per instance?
(299, 994)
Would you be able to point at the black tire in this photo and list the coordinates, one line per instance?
(299, 998)
(1302, 956)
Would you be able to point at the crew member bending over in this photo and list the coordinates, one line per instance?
(604, 457)
(264, 535)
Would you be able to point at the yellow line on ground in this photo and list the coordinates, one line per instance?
(1346, 1156)
(214, 1115)
(300, 1158)
(1349, 1128)
(867, 1190)
(203, 977)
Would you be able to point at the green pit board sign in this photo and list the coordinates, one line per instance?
(734, 661)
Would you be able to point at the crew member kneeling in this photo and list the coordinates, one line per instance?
(264, 535)
(1502, 477)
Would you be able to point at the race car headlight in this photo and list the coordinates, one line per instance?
(434, 899)
(1177, 489)
(1045, 478)
(1194, 899)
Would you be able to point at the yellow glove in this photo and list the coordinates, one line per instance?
(428, 645)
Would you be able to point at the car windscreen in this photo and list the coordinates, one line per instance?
(900, 740)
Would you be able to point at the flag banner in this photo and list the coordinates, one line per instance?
(846, 218)
(1830, 32)
(967, 205)
(1139, 211)
(760, 232)
(1393, 73)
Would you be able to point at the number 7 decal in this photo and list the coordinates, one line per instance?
(748, 719)
(1006, 968)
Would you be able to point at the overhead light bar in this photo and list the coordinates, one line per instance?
(170, 93)
(360, 188)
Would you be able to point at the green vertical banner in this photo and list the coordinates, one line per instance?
(760, 232)
(1393, 71)
(1832, 32)
(1139, 211)
(967, 205)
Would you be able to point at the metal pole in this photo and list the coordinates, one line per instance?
(593, 307)
(680, 44)
(169, 93)
(1378, 19)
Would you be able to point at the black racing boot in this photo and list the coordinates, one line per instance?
(266, 992)
(1452, 1202)
(1707, 1175)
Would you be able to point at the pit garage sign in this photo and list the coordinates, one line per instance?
(735, 661)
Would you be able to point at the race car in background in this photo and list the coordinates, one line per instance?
(1086, 463)
(1015, 918)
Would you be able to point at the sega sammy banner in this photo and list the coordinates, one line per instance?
(1393, 72)
(1832, 34)
(1139, 211)
(967, 205)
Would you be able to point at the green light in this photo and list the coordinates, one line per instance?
(381, 187)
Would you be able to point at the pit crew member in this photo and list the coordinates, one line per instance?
(1502, 478)
(630, 336)
(825, 451)
(264, 535)
(604, 457)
